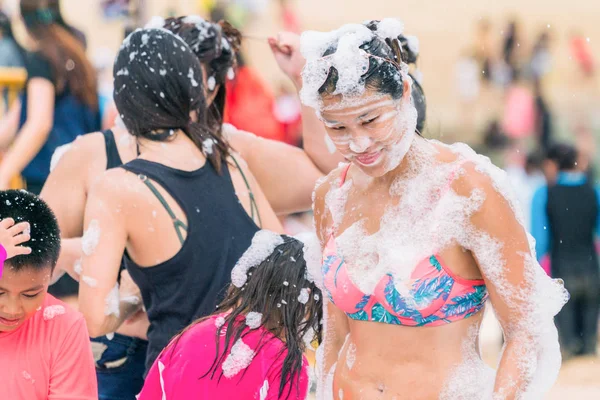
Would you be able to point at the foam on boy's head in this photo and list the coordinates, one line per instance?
(23, 206)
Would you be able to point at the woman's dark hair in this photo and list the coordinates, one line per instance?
(70, 67)
(6, 26)
(158, 85)
(274, 288)
(216, 46)
(383, 76)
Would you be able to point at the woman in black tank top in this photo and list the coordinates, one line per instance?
(183, 209)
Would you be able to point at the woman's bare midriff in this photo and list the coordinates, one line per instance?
(401, 362)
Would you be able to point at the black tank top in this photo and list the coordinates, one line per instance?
(113, 159)
(194, 281)
(572, 212)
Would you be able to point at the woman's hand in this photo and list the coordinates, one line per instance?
(286, 50)
(13, 236)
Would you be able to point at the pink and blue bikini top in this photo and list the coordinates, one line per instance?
(437, 296)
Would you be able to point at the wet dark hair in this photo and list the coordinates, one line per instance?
(383, 76)
(158, 83)
(273, 288)
(216, 45)
(23, 206)
(60, 47)
(564, 155)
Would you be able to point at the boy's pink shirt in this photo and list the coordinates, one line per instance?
(48, 357)
(178, 376)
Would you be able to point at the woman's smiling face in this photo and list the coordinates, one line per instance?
(368, 131)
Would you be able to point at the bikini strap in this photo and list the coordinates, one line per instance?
(177, 223)
(344, 174)
(253, 205)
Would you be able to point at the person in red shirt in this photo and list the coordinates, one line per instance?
(45, 352)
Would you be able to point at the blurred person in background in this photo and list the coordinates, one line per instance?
(10, 52)
(60, 100)
(582, 54)
(564, 218)
(246, 87)
(59, 103)
(519, 108)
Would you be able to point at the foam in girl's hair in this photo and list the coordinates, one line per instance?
(253, 319)
(390, 28)
(263, 244)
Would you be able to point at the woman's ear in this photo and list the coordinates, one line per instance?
(407, 92)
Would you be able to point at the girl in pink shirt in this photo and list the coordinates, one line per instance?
(252, 348)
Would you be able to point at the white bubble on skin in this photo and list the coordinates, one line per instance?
(351, 355)
(90, 238)
(304, 295)
(88, 280)
(58, 154)
(253, 319)
(330, 145)
(52, 312)
(239, 358)
(111, 303)
(312, 256)
(263, 244)
(77, 268)
(335, 201)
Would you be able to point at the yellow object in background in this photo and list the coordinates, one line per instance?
(12, 79)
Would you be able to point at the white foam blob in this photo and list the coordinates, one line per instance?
(263, 244)
(90, 238)
(207, 146)
(211, 83)
(239, 358)
(27, 376)
(58, 154)
(264, 390)
(304, 295)
(54, 311)
(77, 267)
(330, 145)
(110, 336)
(312, 256)
(191, 77)
(155, 22)
(88, 280)
(219, 322)
(254, 319)
(111, 303)
(390, 28)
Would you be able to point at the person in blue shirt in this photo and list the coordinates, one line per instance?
(564, 222)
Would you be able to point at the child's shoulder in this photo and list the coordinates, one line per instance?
(57, 317)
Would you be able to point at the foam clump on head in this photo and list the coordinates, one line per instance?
(347, 41)
(263, 244)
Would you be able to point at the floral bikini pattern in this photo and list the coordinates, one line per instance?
(435, 297)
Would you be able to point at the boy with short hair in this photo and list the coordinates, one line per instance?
(45, 351)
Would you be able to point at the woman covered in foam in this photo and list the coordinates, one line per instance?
(416, 236)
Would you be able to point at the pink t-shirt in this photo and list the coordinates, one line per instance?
(48, 357)
(176, 374)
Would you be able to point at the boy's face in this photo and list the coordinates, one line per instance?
(21, 295)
